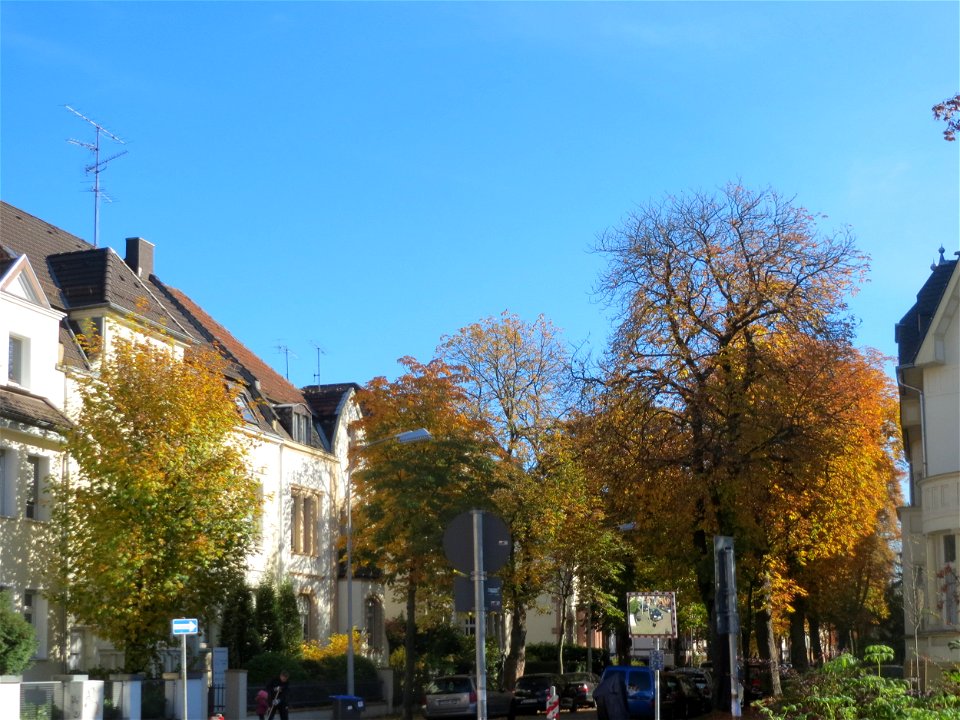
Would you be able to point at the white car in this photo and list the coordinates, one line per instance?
(456, 696)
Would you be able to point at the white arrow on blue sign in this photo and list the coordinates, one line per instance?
(184, 626)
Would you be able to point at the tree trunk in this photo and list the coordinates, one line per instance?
(798, 636)
(410, 651)
(516, 656)
(717, 645)
(767, 640)
(816, 647)
(561, 636)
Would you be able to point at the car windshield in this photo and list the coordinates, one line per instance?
(449, 686)
(534, 683)
(578, 677)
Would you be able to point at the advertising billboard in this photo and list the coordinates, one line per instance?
(652, 614)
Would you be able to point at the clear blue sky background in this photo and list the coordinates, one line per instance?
(367, 177)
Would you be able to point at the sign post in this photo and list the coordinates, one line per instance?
(654, 615)
(725, 599)
(477, 542)
(184, 627)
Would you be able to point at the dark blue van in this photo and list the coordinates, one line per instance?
(640, 692)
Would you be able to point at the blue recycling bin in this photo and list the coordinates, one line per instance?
(346, 707)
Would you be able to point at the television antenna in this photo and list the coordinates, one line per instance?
(320, 351)
(97, 167)
(286, 352)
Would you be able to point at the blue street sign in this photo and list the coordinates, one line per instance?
(184, 626)
(656, 659)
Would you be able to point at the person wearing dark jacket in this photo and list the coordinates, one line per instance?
(611, 697)
(277, 690)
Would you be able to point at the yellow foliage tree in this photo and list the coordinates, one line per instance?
(158, 521)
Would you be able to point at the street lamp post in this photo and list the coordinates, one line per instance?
(410, 436)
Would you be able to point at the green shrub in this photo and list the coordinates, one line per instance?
(845, 690)
(18, 642)
(266, 666)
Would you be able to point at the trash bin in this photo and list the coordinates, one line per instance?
(346, 707)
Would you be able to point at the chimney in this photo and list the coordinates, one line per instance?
(140, 257)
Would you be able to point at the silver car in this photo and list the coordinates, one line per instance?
(456, 696)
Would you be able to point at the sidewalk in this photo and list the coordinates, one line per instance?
(371, 710)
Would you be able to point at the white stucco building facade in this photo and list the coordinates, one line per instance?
(928, 374)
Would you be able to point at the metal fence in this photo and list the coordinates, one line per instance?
(37, 700)
(216, 699)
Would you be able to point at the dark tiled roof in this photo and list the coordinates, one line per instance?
(326, 402)
(72, 354)
(912, 328)
(26, 235)
(74, 274)
(21, 406)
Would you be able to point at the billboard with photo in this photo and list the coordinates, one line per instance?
(652, 614)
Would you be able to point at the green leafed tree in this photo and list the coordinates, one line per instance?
(18, 642)
(159, 518)
(238, 628)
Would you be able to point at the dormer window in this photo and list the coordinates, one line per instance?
(301, 427)
(246, 411)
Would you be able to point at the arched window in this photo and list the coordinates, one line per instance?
(374, 624)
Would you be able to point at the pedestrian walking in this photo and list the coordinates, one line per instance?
(262, 704)
(611, 697)
(277, 690)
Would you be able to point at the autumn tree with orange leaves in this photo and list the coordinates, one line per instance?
(406, 495)
(160, 517)
(694, 427)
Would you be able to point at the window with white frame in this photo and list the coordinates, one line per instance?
(17, 360)
(301, 427)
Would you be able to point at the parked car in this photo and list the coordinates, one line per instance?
(453, 696)
(578, 689)
(702, 680)
(679, 697)
(640, 694)
(531, 691)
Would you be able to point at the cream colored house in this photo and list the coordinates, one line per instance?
(928, 338)
(51, 282)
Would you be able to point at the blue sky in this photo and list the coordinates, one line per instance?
(368, 177)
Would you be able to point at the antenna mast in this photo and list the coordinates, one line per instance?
(320, 351)
(97, 167)
(286, 352)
